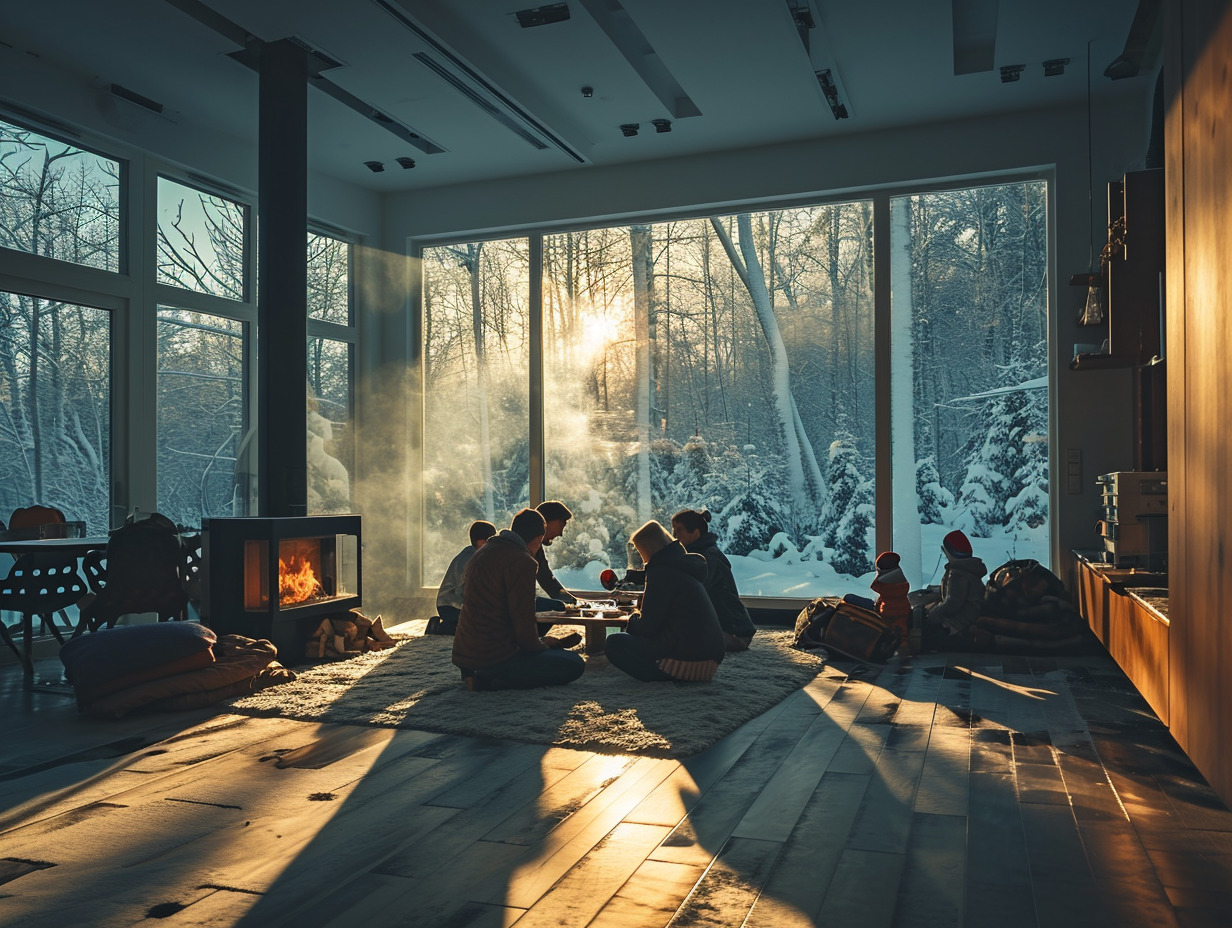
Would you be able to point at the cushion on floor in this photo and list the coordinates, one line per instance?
(98, 657)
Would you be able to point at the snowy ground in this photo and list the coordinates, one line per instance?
(788, 575)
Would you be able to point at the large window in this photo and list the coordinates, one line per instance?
(57, 200)
(203, 462)
(476, 392)
(721, 363)
(202, 239)
(970, 359)
(55, 408)
(331, 338)
(728, 363)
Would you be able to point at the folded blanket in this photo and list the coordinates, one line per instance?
(242, 666)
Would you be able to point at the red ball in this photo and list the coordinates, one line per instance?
(608, 579)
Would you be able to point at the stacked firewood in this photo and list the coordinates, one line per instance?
(347, 635)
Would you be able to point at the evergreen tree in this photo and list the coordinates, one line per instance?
(854, 542)
(844, 479)
(993, 473)
(1028, 509)
(754, 511)
(934, 499)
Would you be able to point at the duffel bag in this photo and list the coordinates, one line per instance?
(859, 633)
(811, 623)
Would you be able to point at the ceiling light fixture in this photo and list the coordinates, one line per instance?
(802, 16)
(662, 125)
(629, 128)
(542, 15)
(405, 163)
(830, 91)
(1055, 66)
(1011, 72)
(374, 166)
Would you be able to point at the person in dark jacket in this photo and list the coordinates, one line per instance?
(556, 516)
(676, 636)
(692, 529)
(497, 645)
(950, 624)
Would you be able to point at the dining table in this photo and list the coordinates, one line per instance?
(29, 601)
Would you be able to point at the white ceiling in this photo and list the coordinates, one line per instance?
(741, 63)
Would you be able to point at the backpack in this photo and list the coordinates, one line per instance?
(144, 572)
(848, 627)
(1019, 584)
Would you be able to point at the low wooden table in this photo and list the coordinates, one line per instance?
(596, 626)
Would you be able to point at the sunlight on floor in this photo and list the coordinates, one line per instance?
(1031, 692)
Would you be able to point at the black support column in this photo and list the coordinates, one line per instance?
(282, 281)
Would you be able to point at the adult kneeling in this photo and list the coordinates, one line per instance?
(676, 636)
(497, 645)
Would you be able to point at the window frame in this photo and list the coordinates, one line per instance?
(879, 195)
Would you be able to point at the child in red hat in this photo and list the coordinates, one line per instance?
(951, 622)
(891, 587)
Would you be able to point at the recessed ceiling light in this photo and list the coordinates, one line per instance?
(542, 15)
(374, 166)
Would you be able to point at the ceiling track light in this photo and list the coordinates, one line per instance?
(1011, 72)
(1055, 66)
(405, 163)
(662, 125)
(830, 91)
(374, 166)
(629, 128)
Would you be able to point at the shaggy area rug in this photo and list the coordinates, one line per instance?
(415, 686)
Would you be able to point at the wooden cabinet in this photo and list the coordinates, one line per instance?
(1134, 632)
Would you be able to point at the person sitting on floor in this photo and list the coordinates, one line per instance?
(692, 529)
(950, 623)
(556, 516)
(449, 596)
(497, 645)
(676, 635)
(891, 586)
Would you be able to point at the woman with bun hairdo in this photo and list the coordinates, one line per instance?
(692, 529)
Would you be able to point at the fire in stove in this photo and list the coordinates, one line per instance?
(297, 573)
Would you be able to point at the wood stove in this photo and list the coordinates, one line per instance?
(277, 578)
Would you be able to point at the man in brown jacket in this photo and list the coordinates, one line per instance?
(497, 645)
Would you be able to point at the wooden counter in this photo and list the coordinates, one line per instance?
(1134, 631)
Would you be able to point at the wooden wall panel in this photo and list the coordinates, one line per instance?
(1199, 153)
(1174, 347)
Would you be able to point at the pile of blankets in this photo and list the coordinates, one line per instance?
(166, 666)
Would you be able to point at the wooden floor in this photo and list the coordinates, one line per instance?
(936, 792)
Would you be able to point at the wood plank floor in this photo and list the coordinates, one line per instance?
(943, 790)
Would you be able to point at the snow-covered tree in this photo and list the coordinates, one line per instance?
(854, 540)
(847, 487)
(934, 499)
(1027, 510)
(748, 522)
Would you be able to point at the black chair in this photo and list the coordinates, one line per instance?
(40, 585)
